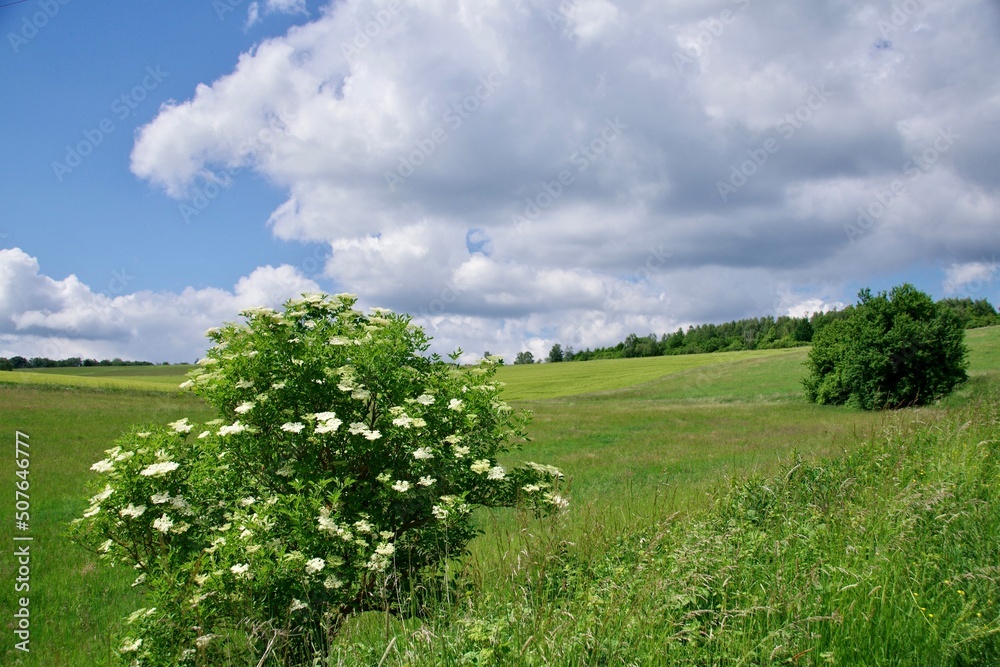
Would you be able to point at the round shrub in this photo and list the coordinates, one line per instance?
(340, 476)
(891, 351)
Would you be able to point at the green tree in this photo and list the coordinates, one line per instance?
(524, 358)
(893, 350)
(556, 353)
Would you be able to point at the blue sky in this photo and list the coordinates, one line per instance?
(514, 173)
(88, 64)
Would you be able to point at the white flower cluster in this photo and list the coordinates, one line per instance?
(357, 428)
(181, 425)
(159, 469)
(230, 429)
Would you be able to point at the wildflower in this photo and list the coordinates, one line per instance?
(296, 605)
(181, 425)
(244, 407)
(91, 511)
(163, 524)
(292, 427)
(426, 481)
(425, 399)
(240, 569)
(439, 512)
(480, 466)
(329, 426)
(403, 421)
(556, 500)
(160, 498)
(132, 511)
(460, 451)
(103, 466)
(235, 427)
(324, 416)
(244, 384)
(402, 486)
(315, 565)
(131, 645)
(278, 385)
(423, 454)
(202, 642)
(204, 434)
(187, 384)
(159, 469)
(363, 526)
(496, 472)
(373, 435)
(248, 501)
(106, 546)
(455, 404)
(385, 549)
(103, 495)
(332, 582)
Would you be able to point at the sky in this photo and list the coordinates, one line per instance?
(511, 173)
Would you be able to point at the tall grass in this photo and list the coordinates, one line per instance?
(885, 556)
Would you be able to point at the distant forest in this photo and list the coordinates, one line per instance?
(14, 363)
(757, 333)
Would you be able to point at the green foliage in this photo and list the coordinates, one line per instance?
(893, 350)
(556, 353)
(340, 477)
(524, 358)
(884, 556)
(973, 314)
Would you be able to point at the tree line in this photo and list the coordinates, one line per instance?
(14, 363)
(755, 333)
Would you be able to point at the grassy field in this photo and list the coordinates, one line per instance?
(143, 378)
(649, 445)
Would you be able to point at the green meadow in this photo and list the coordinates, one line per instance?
(716, 518)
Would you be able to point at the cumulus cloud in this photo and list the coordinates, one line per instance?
(42, 316)
(520, 171)
(969, 277)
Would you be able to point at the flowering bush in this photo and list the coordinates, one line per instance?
(340, 477)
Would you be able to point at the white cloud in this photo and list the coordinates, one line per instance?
(483, 112)
(968, 277)
(41, 316)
